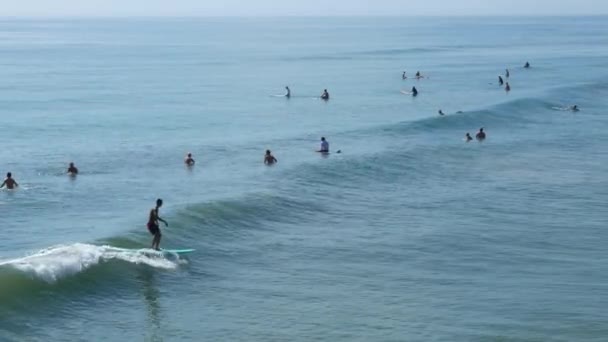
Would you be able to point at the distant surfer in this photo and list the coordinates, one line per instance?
(414, 91)
(500, 81)
(574, 108)
(527, 65)
(325, 95)
(507, 87)
(189, 160)
(468, 137)
(269, 159)
(507, 73)
(403, 76)
(153, 224)
(324, 146)
(441, 112)
(481, 135)
(288, 95)
(9, 182)
(72, 170)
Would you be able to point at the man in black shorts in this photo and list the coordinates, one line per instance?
(153, 224)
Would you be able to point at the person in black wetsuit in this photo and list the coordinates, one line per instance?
(481, 135)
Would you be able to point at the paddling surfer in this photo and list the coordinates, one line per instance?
(153, 224)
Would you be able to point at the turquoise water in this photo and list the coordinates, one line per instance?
(409, 234)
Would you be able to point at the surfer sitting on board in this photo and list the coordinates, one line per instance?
(189, 160)
(288, 92)
(72, 170)
(325, 95)
(441, 112)
(269, 159)
(467, 137)
(403, 76)
(9, 182)
(500, 81)
(153, 224)
(527, 65)
(324, 146)
(414, 91)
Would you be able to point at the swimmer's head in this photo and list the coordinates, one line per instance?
(267, 151)
(159, 202)
(189, 155)
(9, 175)
(322, 138)
(72, 164)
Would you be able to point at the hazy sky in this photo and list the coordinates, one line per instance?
(300, 7)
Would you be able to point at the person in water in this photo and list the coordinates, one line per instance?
(574, 108)
(288, 95)
(325, 95)
(507, 87)
(324, 146)
(153, 224)
(189, 160)
(403, 76)
(9, 182)
(72, 170)
(414, 91)
(481, 135)
(500, 81)
(527, 65)
(468, 137)
(507, 73)
(269, 159)
(441, 112)
(419, 75)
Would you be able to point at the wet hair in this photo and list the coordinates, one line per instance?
(189, 154)
(267, 151)
(481, 129)
(8, 175)
(322, 138)
(159, 202)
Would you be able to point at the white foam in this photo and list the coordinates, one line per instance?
(62, 261)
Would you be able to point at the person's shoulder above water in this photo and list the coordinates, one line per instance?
(325, 95)
(324, 146)
(189, 160)
(269, 159)
(72, 169)
(9, 182)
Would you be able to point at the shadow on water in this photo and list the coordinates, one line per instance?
(151, 298)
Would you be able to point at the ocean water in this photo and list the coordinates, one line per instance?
(409, 234)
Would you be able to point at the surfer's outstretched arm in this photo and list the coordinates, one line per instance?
(163, 221)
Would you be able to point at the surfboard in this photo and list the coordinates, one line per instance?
(406, 92)
(165, 251)
(178, 251)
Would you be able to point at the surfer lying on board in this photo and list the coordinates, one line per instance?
(9, 182)
(153, 224)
